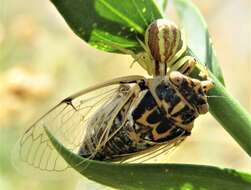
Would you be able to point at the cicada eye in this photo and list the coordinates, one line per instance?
(204, 89)
(207, 85)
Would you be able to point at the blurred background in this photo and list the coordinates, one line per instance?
(42, 61)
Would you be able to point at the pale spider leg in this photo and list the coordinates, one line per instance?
(149, 62)
(185, 65)
(137, 57)
(203, 71)
(143, 58)
(171, 65)
(140, 58)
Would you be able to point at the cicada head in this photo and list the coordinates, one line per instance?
(193, 90)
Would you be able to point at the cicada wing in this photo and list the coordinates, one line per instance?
(67, 122)
(157, 153)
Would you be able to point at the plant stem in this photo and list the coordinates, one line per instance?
(231, 115)
(228, 111)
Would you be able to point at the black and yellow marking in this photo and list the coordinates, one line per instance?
(162, 125)
(159, 111)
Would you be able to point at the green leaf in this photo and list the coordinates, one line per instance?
(154, 176)
(198, 38)
(108, 23)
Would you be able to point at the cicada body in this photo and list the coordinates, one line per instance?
(118, 119)
(151, 113)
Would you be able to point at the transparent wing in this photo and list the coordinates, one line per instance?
(158, 153)
(68, 123)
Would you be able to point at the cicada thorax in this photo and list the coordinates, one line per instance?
(168, 108)
(162, 115)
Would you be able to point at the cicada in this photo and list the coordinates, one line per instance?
(129, 116)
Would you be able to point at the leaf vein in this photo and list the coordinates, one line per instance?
(123, 17)
(140, 14)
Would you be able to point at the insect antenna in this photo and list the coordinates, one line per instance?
(215, 96)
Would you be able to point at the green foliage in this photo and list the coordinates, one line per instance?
(155, 176)
(105, 24)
